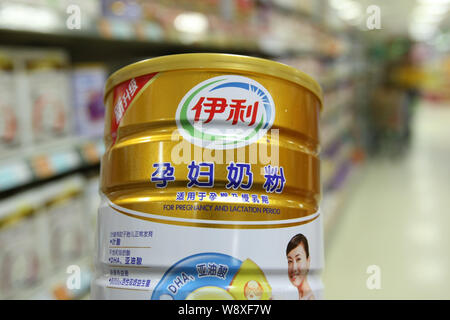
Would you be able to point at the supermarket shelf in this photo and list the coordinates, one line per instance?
(91, 47)
(32, 164)
(108, 39)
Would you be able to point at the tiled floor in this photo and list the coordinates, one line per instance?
(398, 219)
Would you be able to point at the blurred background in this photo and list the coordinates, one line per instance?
(384, 67)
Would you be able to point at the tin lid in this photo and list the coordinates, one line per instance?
(226, 62)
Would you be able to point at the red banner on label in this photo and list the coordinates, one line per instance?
(124, 94)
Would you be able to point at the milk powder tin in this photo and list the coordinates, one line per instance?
(210, 181)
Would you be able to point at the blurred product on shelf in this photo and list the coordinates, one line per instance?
(42, 232)
(47, 83)
(53, 115)
(66, 222)
(123, 9)
(9, 127)
(88, 83)
(20, 264)
(214, 22)
(35, 97)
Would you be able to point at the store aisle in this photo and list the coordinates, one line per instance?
(398, 219)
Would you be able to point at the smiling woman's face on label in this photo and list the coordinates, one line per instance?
(298, 265)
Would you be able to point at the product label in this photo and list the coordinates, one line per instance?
(49, 106)
(124, 94)
(141, 259)
(225, 112)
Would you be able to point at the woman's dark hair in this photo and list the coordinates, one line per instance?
(296, 241)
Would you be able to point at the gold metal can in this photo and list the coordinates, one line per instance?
(210, 181)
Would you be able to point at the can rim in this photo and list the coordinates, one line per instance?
(214, 61)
